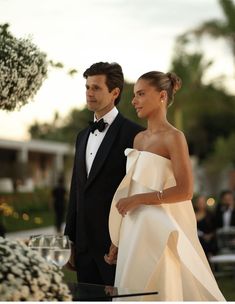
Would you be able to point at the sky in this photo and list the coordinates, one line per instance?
(138, 34)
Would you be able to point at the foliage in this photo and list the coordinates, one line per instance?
(28, 201)
(27, 221)
(206, 110)
(220, 28)
(23, 67)
(222, 155)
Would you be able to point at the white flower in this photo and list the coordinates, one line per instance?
(23, 68)
(25, 275)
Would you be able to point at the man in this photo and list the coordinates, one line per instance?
(225, 211)
(99, 167)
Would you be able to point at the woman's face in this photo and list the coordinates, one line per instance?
(147, 99)
(201, 203)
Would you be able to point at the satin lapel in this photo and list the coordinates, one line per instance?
(81, 158)
(104, 148)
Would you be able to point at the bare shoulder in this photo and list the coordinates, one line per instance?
(174, 134)
(176, 142)
(138, 139)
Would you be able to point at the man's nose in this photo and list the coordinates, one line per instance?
(89, 92)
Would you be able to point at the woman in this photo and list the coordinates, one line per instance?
(152, 221)
(206, 228)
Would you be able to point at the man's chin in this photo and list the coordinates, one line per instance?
(91, 107)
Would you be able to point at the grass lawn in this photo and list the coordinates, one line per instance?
(227, 287)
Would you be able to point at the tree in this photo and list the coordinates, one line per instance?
(221, 28)
(206, 110)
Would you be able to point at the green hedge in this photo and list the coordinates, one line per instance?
(28, 202)
(22, 211)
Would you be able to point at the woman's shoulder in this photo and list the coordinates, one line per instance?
(139, 138)
(174, 134)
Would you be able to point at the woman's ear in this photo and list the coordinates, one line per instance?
(163, 95)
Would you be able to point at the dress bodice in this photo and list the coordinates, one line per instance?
(150, 169)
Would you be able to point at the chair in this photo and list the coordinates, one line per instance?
(223, 263)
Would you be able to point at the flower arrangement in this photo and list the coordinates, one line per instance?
(23, 67)
(26, 276)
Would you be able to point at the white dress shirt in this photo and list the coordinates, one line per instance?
(227, 217)
(96, 138)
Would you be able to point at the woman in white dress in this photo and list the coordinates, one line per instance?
(152, 221)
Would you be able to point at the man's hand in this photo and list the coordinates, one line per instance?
(71, 263)
(111, 257)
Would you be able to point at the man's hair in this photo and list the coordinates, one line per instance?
(113, 73)
(225, 192)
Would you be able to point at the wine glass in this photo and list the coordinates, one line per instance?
(44, 245)
(61, 250)
(34, 241)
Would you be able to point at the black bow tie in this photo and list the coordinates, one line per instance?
(99, 125)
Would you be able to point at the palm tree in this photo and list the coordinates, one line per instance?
(221, 28)
(202, 111)
(191, 67)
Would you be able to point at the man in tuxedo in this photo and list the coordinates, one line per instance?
(225, 211)
(99, 166)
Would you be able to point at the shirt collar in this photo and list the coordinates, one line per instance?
(110, 116)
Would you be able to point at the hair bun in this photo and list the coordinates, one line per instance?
(175, 80)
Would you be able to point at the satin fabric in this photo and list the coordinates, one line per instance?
(158, 246)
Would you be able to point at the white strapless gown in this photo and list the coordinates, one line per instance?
(158, 245)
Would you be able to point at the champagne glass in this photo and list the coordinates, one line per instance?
(61, 250)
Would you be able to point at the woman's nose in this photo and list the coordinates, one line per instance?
(133, 101)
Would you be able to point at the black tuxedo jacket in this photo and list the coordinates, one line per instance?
(219, 216)
(90, 198)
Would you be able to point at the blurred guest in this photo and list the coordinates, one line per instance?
(59, 200)
(225, 211)
(205, 226)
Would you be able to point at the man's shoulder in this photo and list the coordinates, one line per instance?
(131, 124)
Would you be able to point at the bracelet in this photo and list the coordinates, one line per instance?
(159, 195)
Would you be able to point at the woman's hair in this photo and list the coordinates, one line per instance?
(169, 82)
(113, 73)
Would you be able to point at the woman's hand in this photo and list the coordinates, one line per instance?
(127, 204)
(111, 257)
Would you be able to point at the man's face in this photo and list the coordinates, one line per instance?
(98, 97)
(228, 200)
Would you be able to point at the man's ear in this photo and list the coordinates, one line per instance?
(116, 92)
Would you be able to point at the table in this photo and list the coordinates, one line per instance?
(92, 292)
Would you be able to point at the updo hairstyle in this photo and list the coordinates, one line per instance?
(169, 82)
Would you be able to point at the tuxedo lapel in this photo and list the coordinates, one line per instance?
(104, 148)
(81, 158)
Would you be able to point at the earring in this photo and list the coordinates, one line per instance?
(162, 100)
